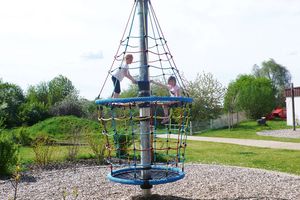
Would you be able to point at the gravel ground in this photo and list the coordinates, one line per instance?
(286, 133)
(201, 182)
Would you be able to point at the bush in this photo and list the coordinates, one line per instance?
(23, 137)
(97, 145)
(33, 112)
(8, 154)
(42, 149)
(74, 139)
(69, 106)
(2, 126)
(122, 143)
(89, 109)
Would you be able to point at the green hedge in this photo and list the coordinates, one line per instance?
(8, 154)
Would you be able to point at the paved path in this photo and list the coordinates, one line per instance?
(245, 142)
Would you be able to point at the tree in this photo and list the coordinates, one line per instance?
(59, 88)
(36, 107)
(11, 98)
(208, 94)
(42, 93)
(231, 97)
(33, 112)
(38, 93)
(279, 76)
(156, 90)
(132, 91)
(253, 95)
(89, 109)
(70, 105)
(57, 97)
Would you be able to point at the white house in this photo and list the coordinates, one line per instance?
(289, 108)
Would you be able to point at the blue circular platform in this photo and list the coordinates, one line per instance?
(143, 99)
(159, 175)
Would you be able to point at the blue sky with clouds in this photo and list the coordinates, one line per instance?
(40, 39)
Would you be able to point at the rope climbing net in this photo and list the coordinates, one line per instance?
(159, 58)
(120, 121)
(145, 146)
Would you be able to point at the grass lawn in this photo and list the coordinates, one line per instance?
(207, 153)
(197, 151)
(247, 130)
(236, 155)
(60, 153)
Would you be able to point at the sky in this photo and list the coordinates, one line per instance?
(41, 39)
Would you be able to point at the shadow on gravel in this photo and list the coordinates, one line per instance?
(24, 178)
(27, 178)
(253, 198)
(159, 197)
(169, 197)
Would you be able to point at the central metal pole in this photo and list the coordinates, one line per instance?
(144, 90)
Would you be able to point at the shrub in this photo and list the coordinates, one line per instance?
(8, 154)
(69, 106)
(122, 143)
(97, 145)
(33, 112)
(2, 126)
(23, 137)
(75, 142)
(42, 149)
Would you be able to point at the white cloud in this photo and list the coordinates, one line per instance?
(92, 55)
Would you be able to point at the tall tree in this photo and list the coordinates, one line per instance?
(277, 74)
(59, 88)
(11, 98)
(254, 95)
(36, 105)
(208, 94)
(231, 98)
(42, 93)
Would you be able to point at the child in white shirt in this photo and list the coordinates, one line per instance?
(119, 75)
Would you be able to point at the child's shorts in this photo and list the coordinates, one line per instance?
(117, 87)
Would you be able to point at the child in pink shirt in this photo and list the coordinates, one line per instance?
(174, 91)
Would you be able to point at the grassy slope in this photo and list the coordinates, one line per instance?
(60, 128)
(247, 130)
